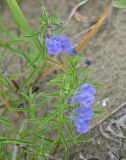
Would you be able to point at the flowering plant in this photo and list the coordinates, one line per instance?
(41, 123)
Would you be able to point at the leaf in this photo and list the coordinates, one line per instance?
(19, 16)
(64, 141)
(13, 42)
(15, 76)
(51, 94)
(29, 78)
(33, 62)
(4, 120)
(33, 35)
(41, 57)
(120, 4)
(38, 106)
(13, 50)
(15, 141)
(99, 111)
(27, 30)
(98, 85)
(22, 110)
(6, 81)
(70, 130)
(43, 137)
(48, 118)
(84, 140)
(86, 70)
(8, 104)
(17, 52)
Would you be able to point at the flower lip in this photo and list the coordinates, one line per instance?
(88, 88)
(53, 46)
(83, 126)
(58, 44)
(65, 42)
(72, 51)
(86, 112)
(85, 98)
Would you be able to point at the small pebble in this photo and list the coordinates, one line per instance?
(105, 102)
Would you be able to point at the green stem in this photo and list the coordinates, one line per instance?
(57, 144)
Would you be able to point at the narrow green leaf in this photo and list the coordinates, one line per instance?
(29, 78)
(13, 42)
(42, 137)
(51, 94)
(98, 85)
(19, 53)
(6, 81)
(120, 4)
(33, 62)
(5, 120)
(41, 104)
(48, 118)
(32, 35)
(27, 30)
(15, 141)
(70, 130)
(84, 140)
(19, 16)
(8, 47)
(15, 76)
(86, 70)
(99, 111)
(65, 146)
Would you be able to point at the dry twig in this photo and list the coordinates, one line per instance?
(109, 114)
(74, 10)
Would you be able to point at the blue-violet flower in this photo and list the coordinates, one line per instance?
(88, 88)
(58, 44)
(85, 98)
(86, 112)
(83, 126)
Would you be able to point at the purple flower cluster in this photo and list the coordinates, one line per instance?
(58, 44)
(85, 112)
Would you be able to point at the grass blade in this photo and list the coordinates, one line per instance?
(19, 16)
